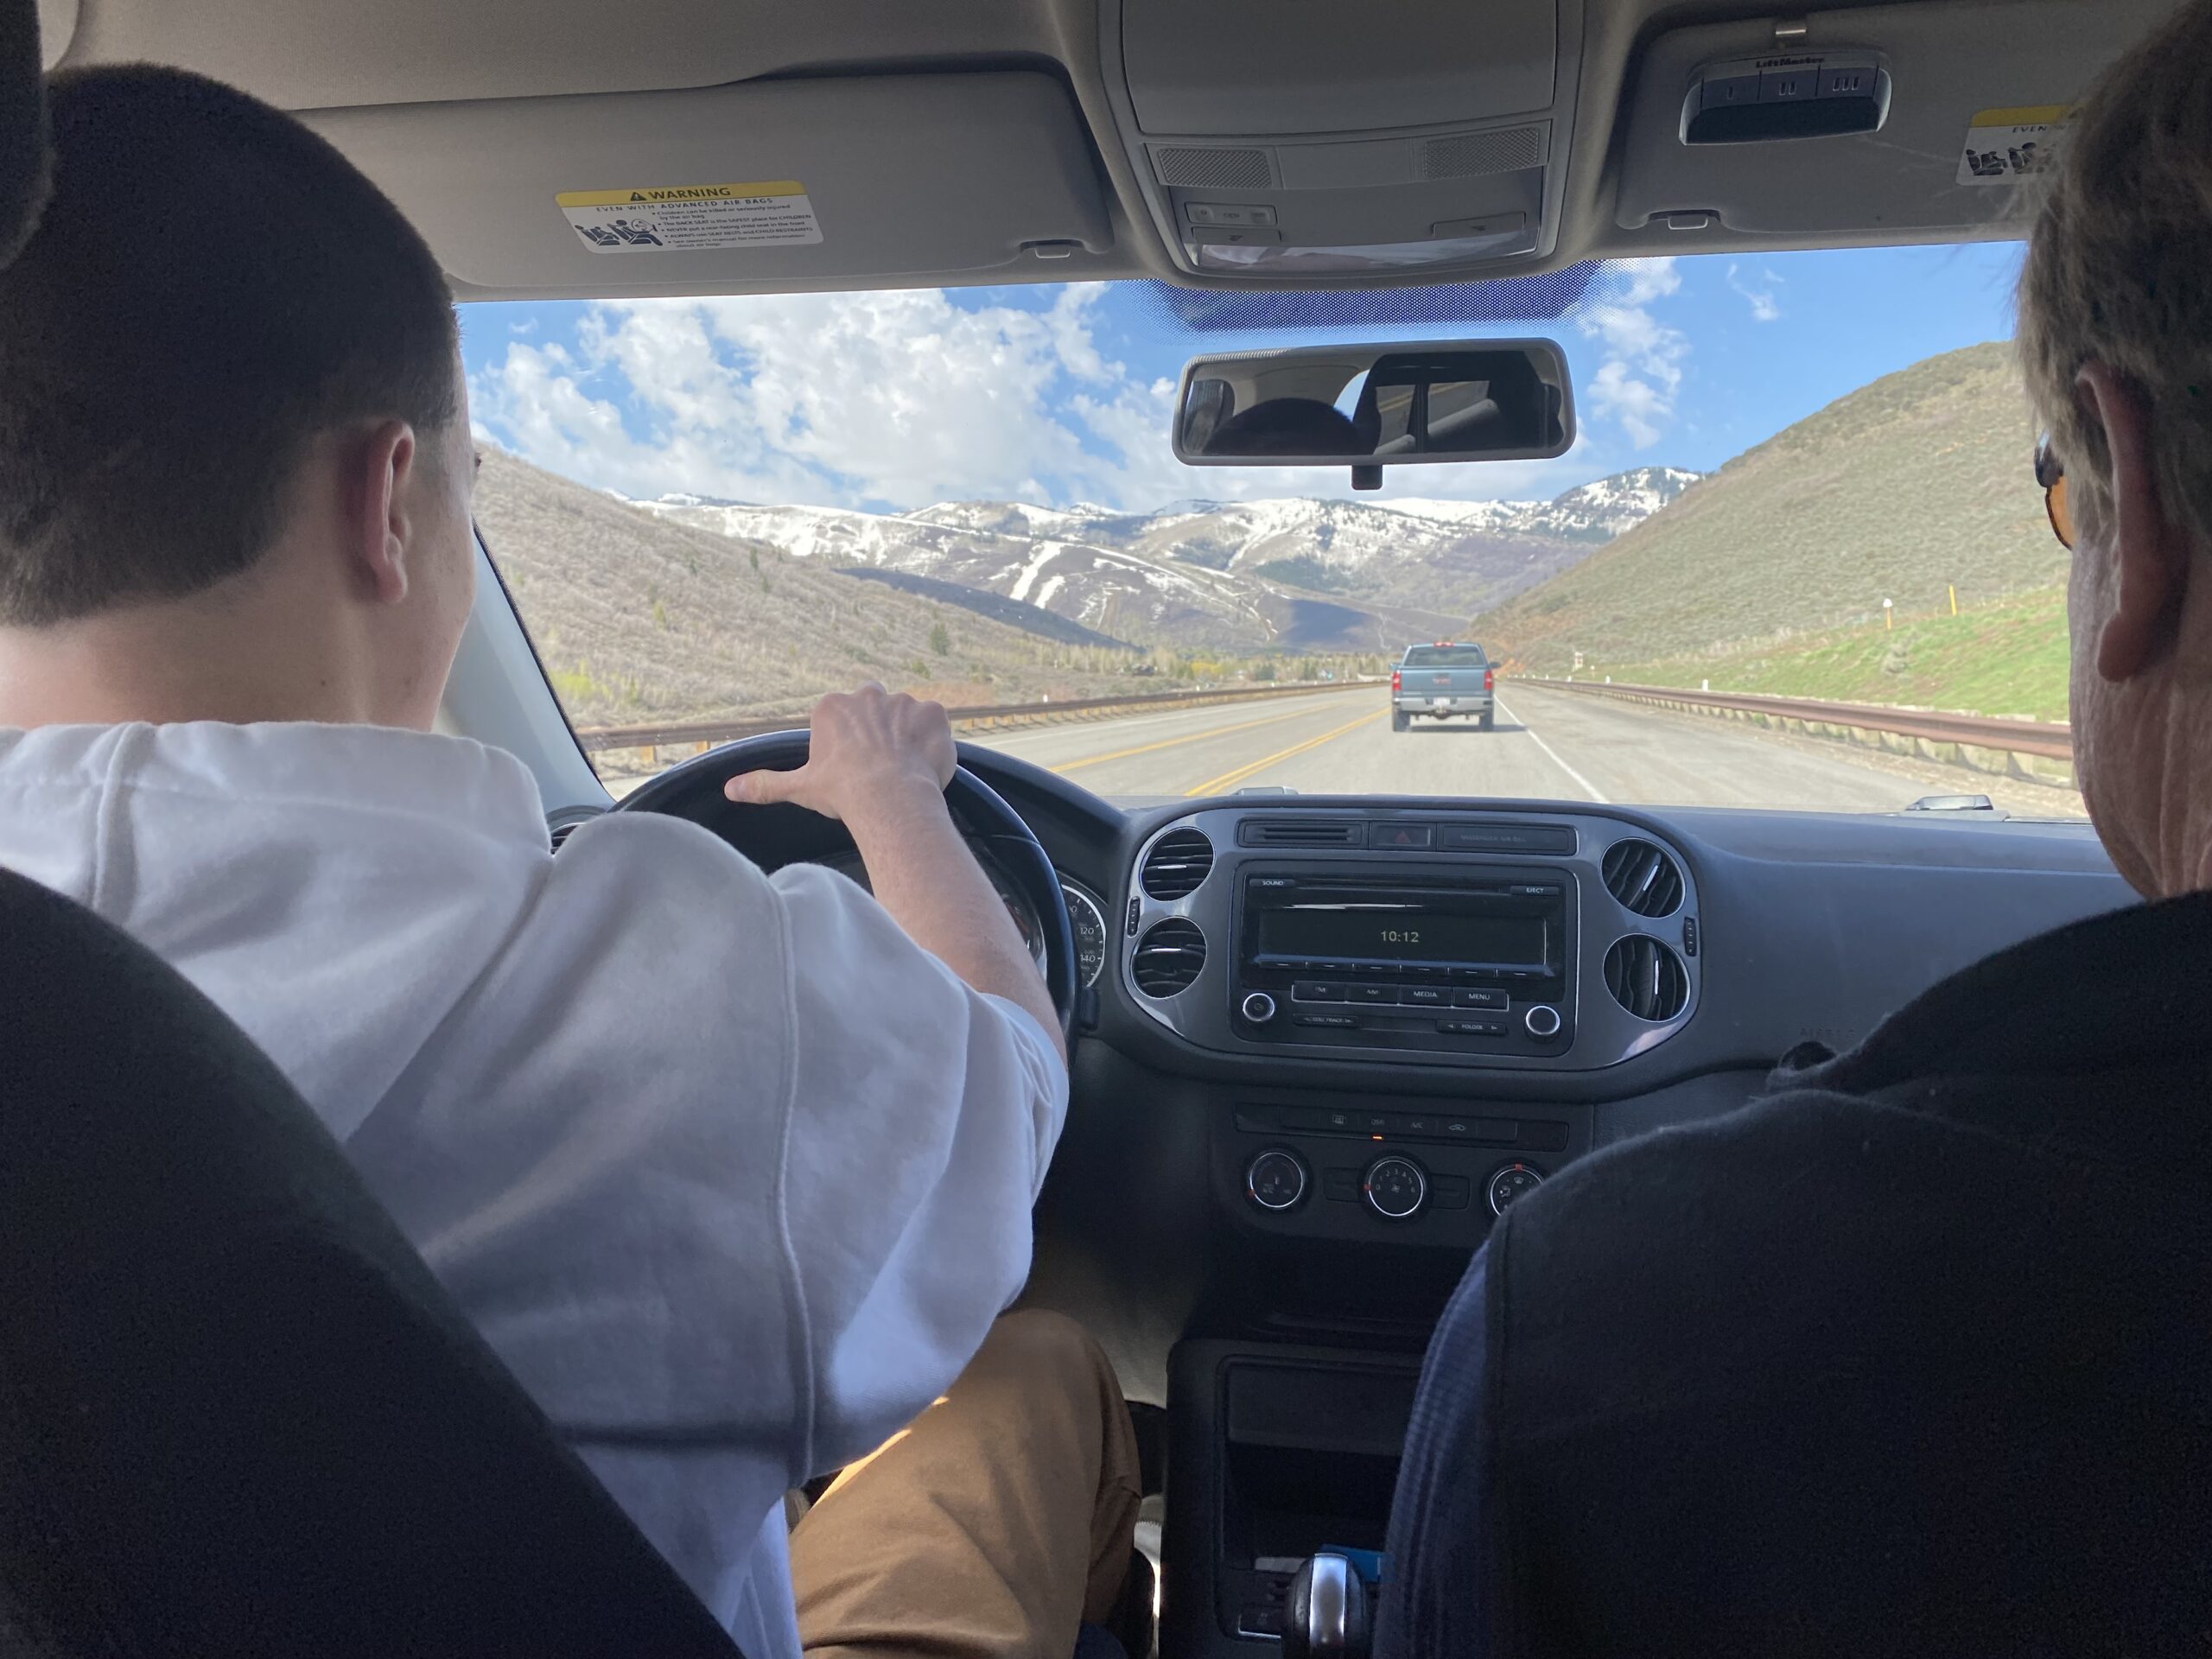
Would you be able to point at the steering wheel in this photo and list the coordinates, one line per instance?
(694, 791)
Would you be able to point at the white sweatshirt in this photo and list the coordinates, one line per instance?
(731, 1173)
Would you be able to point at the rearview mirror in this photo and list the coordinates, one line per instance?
(1374, 406)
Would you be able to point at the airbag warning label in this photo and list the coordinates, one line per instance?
(2004, 146)
(675, 218)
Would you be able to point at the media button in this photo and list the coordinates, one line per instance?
(1424, 996)
(1313, 990)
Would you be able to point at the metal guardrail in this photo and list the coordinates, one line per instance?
(594, 738)
(2045, 739)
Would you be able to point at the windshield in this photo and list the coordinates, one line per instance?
(1798, 502)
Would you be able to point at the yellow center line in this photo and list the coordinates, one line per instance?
(1171, 742)
(1229, 779)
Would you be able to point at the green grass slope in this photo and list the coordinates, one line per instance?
(2010, 659)
(1895, 490)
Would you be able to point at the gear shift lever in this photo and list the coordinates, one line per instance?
(1325, 1610)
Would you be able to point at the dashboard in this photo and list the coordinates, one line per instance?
(1324, 1041)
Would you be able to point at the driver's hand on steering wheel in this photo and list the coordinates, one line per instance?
(872, 750)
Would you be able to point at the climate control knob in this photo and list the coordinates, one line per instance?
(1542, 1021)
(1395, 1188)
(1510, 1183)
(1259, 1007)
(1275, 1179)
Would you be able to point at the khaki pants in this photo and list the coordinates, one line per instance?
(990, 1525)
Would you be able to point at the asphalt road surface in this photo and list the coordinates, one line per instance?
(1548, 745)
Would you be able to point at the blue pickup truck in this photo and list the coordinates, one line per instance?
(1443, 681)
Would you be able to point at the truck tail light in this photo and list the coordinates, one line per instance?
(1396, 680)
(1490, 679)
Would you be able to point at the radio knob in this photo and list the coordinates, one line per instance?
(1395, 1188)
(1259, 1007)
(1543, 1021)
(1275, 1179)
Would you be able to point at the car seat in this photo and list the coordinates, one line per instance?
(238, 1416)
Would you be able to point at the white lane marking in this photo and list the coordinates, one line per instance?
(1595, 793)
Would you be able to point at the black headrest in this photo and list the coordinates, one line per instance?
(1286, 426)
(237, 1414)
(26, 160)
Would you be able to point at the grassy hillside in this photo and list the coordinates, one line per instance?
(639, 619)
(1916, 481)
(2007, 659)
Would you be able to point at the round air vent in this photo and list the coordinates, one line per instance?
(1642, 878)
(1176, 864)
(1646, 978)
(1168, 957)
(560, 825)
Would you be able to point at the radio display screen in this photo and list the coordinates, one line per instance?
(1354, 935)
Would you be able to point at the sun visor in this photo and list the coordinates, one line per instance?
(1906, 118)
(805, 183)
(1289, 141)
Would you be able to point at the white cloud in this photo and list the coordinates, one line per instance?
(900, 398)
(1642, 368)
(1766, 307)
(907, 399)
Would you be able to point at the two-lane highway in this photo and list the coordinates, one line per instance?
(1548, 745)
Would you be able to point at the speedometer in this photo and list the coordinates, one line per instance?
(1090, 934)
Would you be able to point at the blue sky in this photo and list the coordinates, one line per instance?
(1051, 394)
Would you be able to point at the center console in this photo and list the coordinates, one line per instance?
(1412, 936)
(1386, 995)
(1276, 1452)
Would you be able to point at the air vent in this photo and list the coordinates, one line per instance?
(1168, 957)
(1465, 155)
(1642, 878)
(559, 826)
(1176, 864)
(1300, 832)
(1189, 168)
(1646, 978)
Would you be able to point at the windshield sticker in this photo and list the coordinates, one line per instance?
(690, 217)
(2004, 146)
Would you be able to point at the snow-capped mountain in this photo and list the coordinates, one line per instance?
(1592, 513)
(1294, 571)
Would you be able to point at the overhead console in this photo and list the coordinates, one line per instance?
(1283, 139)
(1912, 118)
(1423, 938)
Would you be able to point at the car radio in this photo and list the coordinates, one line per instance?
(1463, 962)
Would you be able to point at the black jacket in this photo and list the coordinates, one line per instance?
(1913, 1356)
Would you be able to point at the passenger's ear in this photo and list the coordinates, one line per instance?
(2149, 550)
(383, 468)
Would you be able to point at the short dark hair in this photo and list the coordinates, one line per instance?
(209, 286)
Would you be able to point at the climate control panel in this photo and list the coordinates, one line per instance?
(1392, 1172)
